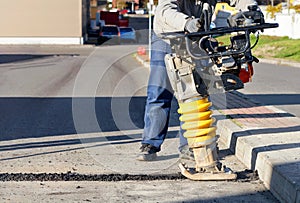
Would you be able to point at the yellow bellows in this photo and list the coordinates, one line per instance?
(194, 106)
(197, 122)
(192, 125)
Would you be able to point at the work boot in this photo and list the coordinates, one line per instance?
(148, 153)
(186, 153)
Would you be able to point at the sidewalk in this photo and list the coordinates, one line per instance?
(264, 138)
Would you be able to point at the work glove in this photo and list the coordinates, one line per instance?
(192, 25)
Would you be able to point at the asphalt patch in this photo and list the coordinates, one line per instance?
(247, 175)
(83, 177)
(242, 176)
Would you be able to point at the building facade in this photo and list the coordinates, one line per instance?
(44, 21)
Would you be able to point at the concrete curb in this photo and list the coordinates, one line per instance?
(142, 60)
(273, 155)
(283, 185)
(280, 62)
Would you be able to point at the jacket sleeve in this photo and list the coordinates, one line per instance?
(242, 4)
(167, 12)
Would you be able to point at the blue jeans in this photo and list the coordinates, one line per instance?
(159, 97)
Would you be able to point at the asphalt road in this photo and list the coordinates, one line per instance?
(276, 85)
(37, 90)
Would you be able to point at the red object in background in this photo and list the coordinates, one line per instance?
(141, 51)
(245, 75)
(113, 18)
(123, 12)
(110, 18)
(123, 23)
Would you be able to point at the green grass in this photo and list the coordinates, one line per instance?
(274, 47)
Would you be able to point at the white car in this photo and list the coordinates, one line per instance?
(140, 11)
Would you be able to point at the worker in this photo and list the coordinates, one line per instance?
(170, 16)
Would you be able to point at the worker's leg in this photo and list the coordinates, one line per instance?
(159, 97)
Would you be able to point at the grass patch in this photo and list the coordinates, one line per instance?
(273, 47)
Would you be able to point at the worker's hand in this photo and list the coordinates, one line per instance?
(192, 25)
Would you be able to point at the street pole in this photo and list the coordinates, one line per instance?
(150, 23)
(132, 6)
